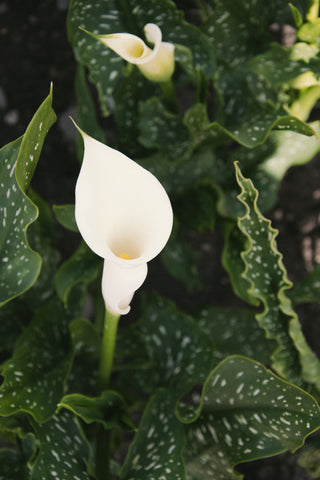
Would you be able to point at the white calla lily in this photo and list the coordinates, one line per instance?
(124, 215)
(156, 64)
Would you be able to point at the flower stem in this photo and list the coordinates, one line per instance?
(108, 345)
(105, 369)
(169, 95)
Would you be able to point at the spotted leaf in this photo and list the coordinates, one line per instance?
(156, 449)
(20, 266)
(63, 450)
(104, 67)
(163, 130)
(109, 409)
(34, 377)
(298, 59)
(250, 122)
(181, 261)
(266, 274)
(179, 176)
(179, 349)
(235, 331)
(247, 413)
(133, 89)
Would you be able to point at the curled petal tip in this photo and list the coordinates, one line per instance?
(119, 283)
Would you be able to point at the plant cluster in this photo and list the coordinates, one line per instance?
(205, 97)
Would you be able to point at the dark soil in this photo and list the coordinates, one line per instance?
(34, 53)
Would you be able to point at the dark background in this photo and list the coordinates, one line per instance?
(34, 52)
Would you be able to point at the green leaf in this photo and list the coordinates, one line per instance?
(310, 32)
(163, 130)
(309, 457)
(235, 243)
(180, 261)
(247, 413)
(133, 89)
(14, 458)
(247, 114)
(179, 176)
(34, 377)
(41, 237)
(65, 216)
(85, 337)
(156, 449)
(196, 209)
(296, 15)
(235, 331)
(109, 409)
(12, 318)
(239, 30)
(104, 66)
(179, 349)
(265, 272)
(308, 290)
(63, 450)
(86, 114)
(82, 268)
(18, 160)
(13, 465)
(296, 59)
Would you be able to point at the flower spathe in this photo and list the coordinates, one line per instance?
(156, 64)
(124, 215)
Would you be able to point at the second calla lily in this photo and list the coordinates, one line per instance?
(124, 215)
(156, 64)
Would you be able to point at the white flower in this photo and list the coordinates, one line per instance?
(157, 64)
(124, 215)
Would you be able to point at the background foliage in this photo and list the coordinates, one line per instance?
(193, 393)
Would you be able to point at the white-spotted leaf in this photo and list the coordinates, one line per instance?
(156, 449)
(250, 122)
(247, 413)
(235, 331)
(63, 450)
(267, 276)
(163, 130)
(34, 377)
(104, 66)
(181, 352)
(109, 409)
(19, 265)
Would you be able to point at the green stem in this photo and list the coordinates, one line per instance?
(108, 345)
(105, 369)
(169, 95)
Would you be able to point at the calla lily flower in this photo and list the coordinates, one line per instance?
(124, 215)
(156, 64)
